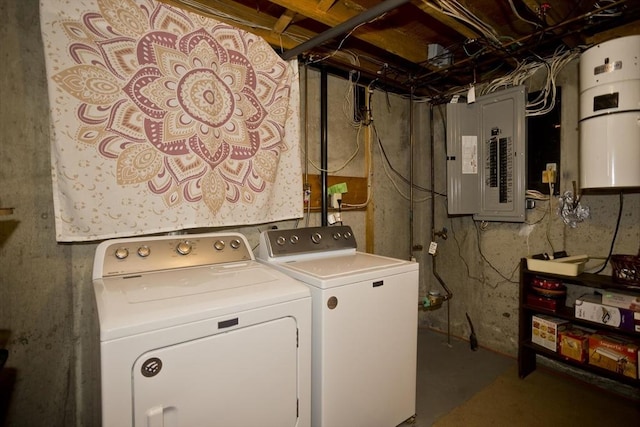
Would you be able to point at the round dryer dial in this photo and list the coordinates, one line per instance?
(184, 248)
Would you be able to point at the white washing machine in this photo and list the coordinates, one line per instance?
(195, 332)
(365, 324)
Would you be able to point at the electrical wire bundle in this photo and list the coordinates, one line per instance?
(545, 101)
(455, 10)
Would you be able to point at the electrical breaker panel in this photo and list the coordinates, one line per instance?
(486, 156)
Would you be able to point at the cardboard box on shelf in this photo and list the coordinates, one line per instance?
(544, 330)
(622, 300)
(614, 353)
(574, 343)
(590, 307)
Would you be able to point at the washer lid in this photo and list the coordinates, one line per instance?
(328, 272)
(138, 303)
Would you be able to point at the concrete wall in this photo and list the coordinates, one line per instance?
(47, 318)
(47, 314)
(479, 262)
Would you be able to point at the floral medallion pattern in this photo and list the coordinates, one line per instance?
(165, 105)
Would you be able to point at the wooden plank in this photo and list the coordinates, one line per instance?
(356, 190)
(261, 23)
(450, 22)
(389, 39)
(325, 5)
(284, 21)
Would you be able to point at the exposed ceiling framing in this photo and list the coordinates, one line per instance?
(430, 47)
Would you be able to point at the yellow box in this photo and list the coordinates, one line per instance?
(574, 343)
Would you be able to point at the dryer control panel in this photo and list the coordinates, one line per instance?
(140, 255)
(307, 240)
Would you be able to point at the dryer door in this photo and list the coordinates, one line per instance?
(244, 377)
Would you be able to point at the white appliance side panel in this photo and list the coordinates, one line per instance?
(364, 352)
(245, 377)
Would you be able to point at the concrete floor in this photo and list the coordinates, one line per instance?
(450, 373)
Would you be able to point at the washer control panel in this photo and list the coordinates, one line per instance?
(298, 241)
(132, 256)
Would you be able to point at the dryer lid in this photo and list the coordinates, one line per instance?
(143, 302)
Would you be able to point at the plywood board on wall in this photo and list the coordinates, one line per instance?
(356, 190)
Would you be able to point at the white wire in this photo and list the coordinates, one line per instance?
(515, 11)
(346, 163)
(545, 102)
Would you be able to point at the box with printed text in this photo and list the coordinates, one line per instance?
(590, 307)
(544, 330)
(614, 353)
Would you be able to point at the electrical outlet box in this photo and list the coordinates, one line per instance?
(549, 174)
(335, 199)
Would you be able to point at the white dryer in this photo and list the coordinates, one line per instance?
(365, 325)
(195, 332)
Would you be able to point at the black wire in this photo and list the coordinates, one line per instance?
(386, 158)
(506, 279)
(615, 234)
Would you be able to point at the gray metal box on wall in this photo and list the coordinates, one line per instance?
(486, 156)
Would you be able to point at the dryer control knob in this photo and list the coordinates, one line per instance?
(316, 237)
(336, 236)
(122, 253)
(235, 243)
(281, 240)
(219, 245)
(144, 251)
(347, 235)
(294, 239)
(184, 248)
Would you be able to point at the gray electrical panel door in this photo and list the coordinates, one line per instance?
(462, 159)
(486, 156)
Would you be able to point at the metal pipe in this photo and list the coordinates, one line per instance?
(346, 26)
(411, 149)
(324, 158)
(434, 267)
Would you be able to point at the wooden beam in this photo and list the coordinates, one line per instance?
(261, 23)
(325, 5)
(389, 39)
(450, 22)
(629, 29)
(284, 21)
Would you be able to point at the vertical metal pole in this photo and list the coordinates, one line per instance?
(324, 159)
(411, 150)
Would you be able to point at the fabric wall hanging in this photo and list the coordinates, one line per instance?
(165, 120)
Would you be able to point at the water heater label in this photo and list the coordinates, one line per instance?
(607, 68)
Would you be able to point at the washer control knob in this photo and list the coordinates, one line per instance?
(184, 248)
(122, 253)
(316, 237)
(235, 243)
(347, 235)
(219, 245)
(294, 239)
(337, 236)
(281, 240)
(144, 251)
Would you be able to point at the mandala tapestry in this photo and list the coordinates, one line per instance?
(166, 120)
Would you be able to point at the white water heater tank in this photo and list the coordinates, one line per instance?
(610, 114)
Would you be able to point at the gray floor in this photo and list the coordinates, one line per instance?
(450, 373)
